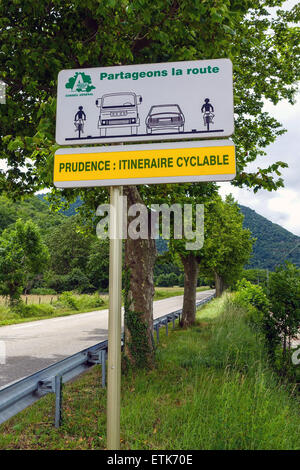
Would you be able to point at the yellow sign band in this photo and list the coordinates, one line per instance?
(158, 163)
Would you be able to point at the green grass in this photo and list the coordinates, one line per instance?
(83, 303)
(212, 389)
(165, 292)
(68, 305)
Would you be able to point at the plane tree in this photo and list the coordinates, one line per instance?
(187, 232)
(227, 246)
(224, 249)
(23, 255)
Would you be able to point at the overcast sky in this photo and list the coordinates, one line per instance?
(281, 206)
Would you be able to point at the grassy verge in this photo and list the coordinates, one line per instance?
(212, 389)
(66, 305)
(9, 318)
(82, 304)
(165, 292)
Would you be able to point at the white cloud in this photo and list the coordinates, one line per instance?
(283, 206)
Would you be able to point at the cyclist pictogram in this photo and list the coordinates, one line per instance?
(207, 110)
(79, 119)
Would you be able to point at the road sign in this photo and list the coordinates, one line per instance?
(144, 164)
(166, 101)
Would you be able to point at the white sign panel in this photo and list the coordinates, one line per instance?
(167, 101)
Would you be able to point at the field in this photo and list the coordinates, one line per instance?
(212, 388)
(33, 299)
(165, 292)
(38, 307)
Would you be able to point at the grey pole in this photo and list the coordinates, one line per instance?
(114, 320)
(58, 399)
(103, 367)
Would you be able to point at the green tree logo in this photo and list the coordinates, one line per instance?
(80, 82)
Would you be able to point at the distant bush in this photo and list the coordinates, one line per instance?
(181, 280)
(57, 282)
(75, 280)
(67, 299)
(252, 298)
(28, 311)
(201, 281)
(162, 271)
(284, 293)
(89, 301)
(42, 291)
(167, 280)
(255, 276)
(79, 302)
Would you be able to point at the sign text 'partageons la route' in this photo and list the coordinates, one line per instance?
(166, 101)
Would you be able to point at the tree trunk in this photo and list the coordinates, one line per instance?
(191, 269)
(220, 286)
(140, 258)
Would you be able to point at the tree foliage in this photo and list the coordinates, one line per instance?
(228, 246)
(68, 246)
(277, 315)
(32, 208)
(22, 255)
(284, 293)
(98, 264)
(38, 40)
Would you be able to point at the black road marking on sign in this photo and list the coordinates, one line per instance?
(144, 135)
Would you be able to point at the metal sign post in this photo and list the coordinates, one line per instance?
(114, 326)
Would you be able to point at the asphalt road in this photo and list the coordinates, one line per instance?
(34, 345)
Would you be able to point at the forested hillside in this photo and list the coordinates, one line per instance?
(274, 243)
(79, 261)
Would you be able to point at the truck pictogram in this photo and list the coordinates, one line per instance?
(119, 110)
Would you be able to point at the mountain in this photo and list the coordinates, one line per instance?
(274, 244)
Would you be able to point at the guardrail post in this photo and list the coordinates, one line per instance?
(58, 400)
(167, 327)
(103, 366)
(157, 332)
(173, 321)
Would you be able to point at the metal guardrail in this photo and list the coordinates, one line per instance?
(19, 395)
